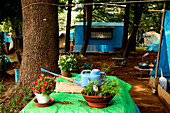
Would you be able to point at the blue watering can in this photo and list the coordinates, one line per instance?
(86, 74)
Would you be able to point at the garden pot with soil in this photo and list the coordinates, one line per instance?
(97, 101)
(99, 93)
(65, 73)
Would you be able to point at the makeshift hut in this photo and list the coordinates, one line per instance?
(105, 36)
(163, 65)
(164, 61)
(62, 38)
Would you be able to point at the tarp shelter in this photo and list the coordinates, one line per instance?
(105, 36)
(154, 46)
(150, 40)
(164, 62)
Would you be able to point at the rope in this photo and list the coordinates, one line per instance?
(105, 3)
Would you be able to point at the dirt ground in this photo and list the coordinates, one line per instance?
(140, 92)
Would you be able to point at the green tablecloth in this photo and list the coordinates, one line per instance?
(121, 103)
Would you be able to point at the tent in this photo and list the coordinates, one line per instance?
(154, 46)
(152, 39)
(164, 62)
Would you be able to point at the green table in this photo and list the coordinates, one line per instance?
(121, 103)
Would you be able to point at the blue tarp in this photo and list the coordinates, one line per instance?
(154, 46)
(100, 44)
(151, 40)
(164, 62)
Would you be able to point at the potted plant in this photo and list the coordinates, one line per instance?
(44, 86)
(99, 94)
(66, 64)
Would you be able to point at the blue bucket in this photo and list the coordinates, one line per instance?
(16, 75)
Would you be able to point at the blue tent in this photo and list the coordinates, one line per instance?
(164, 62)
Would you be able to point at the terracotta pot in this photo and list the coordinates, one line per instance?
(97, 101)
(65, 73)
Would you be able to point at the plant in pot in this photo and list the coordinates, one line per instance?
(44, 86)
(66, 64)
(99, 94)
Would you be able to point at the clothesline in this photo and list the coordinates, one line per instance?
(105, 3)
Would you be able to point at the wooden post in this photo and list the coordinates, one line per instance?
(159, 50)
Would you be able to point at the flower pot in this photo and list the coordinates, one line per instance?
(42, 98)
(65, 73)
(97, 101)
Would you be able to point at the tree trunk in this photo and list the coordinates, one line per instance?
(40, 40)
(2, 55)
(67, 46)
(126, 26)
(88, 31)
(132, 39)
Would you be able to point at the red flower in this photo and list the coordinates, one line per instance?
(36, 83)
(43, 79)
(34, 91)
(49, 85)
(49, 81)
(40, 75)
(58, 81)
(47, 76)
(42, 89)
(50, 77)
(60, 55)
(39, 85)
(53, 79)
(45, 83)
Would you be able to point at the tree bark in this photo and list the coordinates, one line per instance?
(126, 26)
(132, 39)
(88, 31)
(40, 40)
(67, 46)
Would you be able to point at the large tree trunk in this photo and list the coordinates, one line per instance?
(67, 46)
(132, 39)
(40, 40)
(126, 26)
(88, 30)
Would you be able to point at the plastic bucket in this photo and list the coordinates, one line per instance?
(16, 75)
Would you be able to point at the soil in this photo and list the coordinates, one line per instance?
(141, 93)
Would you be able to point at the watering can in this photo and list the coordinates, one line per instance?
(89, 74)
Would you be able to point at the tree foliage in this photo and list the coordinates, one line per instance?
(11, 9)
(103, 13)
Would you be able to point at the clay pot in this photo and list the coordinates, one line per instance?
(97, 101)
(65, 73)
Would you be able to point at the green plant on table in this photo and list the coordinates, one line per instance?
(101, 87)
(67, 62)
